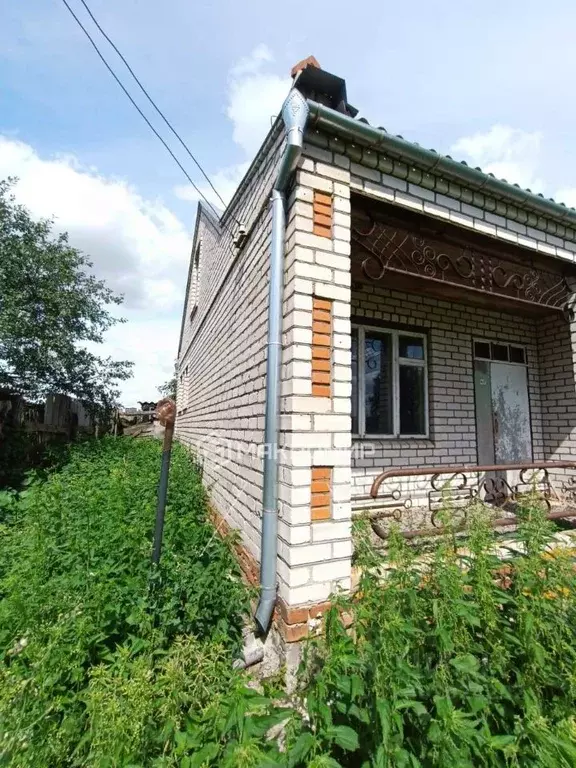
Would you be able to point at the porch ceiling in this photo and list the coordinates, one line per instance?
(414, 253)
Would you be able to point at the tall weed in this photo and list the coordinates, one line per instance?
(89, 637)
(455, 659)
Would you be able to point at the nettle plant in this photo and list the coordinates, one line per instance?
(99, 657)
(457, 658)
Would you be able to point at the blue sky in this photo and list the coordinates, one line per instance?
(488, 82)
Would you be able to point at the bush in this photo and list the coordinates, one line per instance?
(22, 451)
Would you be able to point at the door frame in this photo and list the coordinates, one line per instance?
(489, 360)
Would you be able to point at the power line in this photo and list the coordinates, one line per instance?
(142, 115)
(152, 102)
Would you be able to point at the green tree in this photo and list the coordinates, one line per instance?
(168, 389)
(52, 311)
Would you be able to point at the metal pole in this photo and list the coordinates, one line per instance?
(166, 412)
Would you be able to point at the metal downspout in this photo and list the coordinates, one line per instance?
(294, 114)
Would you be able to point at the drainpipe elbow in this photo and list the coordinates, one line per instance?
(266, 605)
(295, 136)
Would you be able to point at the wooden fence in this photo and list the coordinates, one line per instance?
(57, 415)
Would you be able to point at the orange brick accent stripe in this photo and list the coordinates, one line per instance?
(320, 365)
(322, 198)
(324, 219)
(321, 347)
(323, 316)
(321, 339)
(321, 493)
(322, 210)
(318, 326)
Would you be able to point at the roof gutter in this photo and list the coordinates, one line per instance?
(333, 122)
(294, 115)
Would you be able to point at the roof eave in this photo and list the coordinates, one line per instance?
(200, 211)
(276, 128)
(333, 122)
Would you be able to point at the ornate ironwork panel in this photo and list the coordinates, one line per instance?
(434, 492)
(393, 249)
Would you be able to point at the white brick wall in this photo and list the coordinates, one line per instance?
(450, 329)
(557, 355)
(371, 174)
(315, 430)
(451, 326)
(221, 404)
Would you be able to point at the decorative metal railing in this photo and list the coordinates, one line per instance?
(457, 487)
(389, 248)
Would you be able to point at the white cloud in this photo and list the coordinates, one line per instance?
(508, 153)
(567, 195)
(151, 342)
(255, 98)
(511, 154)
(138, 247)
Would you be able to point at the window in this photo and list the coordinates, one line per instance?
(194, 281)
(389, 383)
(499, 352)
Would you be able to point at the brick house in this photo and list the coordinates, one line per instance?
(391, 308)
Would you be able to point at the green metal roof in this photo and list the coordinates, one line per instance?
(432, 162)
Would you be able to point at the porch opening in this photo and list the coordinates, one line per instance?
(462, 355)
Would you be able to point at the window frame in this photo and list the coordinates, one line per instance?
(509, 344)
(397, 361)
(194, 288)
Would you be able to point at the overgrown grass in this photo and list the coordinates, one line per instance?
(99, 660)
(458, 659)
(452, 659)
